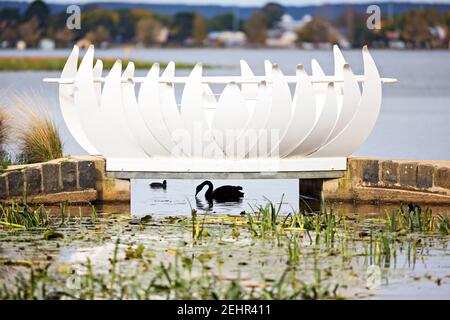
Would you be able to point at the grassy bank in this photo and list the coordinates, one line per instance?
(57, 64)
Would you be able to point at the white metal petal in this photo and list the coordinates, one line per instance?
(169, 109)
(230, 119)
(255, 128)
(88, 110)
(68, 106)
(268, 66)
(169, 71)
(120, 140)
(98, 69)
(209, 103)
(303, 115)
(150, 107)
(350, 101)
(194, 118)
(339, 62)
(250, 91)
(323, 127)
(363, 121)
(317, 71)
(281, 106)
(135, 120)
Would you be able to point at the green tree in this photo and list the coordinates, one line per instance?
(105, 22)
(148, 31)
(188, 25)
(64, 37)
(221, 22)
(182, 26)
(9, 20)
(99, 35)
(256, 28)
(316, 31)
(39, 10)
(273, 12)
(30, 32)
(129, 18)
(416, 27)
(198, 28)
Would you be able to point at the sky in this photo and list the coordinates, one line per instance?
(239, 2)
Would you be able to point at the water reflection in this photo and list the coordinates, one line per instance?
(179, 197)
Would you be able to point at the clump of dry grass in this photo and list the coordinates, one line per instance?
(4, 135)
(3, 127)
(37, 135)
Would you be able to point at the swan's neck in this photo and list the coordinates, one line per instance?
(208, 193)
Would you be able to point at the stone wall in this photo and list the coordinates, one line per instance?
(84, 180)
(386, 180)
(73, 179)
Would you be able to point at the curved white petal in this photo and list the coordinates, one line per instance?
(134, 119)
(120, 142)
(268, 68)
(98, 69)
(339, 62)
(169, 109)
(230, 119)
(150, 107)
(363, 121)
(303, 115)
(350, 101)
(88, 110)
(209, 103)
(67, 103)
(192, 112)
(255, 132)
(249, 90)
(323, 127)
(320, 88)
(281, 107)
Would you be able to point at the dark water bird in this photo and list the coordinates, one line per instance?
(158, 185)
(221, 194)
(412, 208)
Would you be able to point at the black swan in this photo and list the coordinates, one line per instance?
(158, 185)
(412, 208)
(223, 193)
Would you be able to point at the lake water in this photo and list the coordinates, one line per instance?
(413, 124)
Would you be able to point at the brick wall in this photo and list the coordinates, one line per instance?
(386, 180)
(77, 180)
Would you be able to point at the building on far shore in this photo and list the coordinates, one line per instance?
(283, 35)
(227, 38)
(46, 44)
(21, 45)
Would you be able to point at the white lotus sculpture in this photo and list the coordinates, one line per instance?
(255, 125)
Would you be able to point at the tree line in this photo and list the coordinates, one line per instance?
(418, 28)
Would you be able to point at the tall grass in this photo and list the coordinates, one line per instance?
(23, 216)
(412, 221)
(37, 136)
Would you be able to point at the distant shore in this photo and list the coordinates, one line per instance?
(29, 63)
